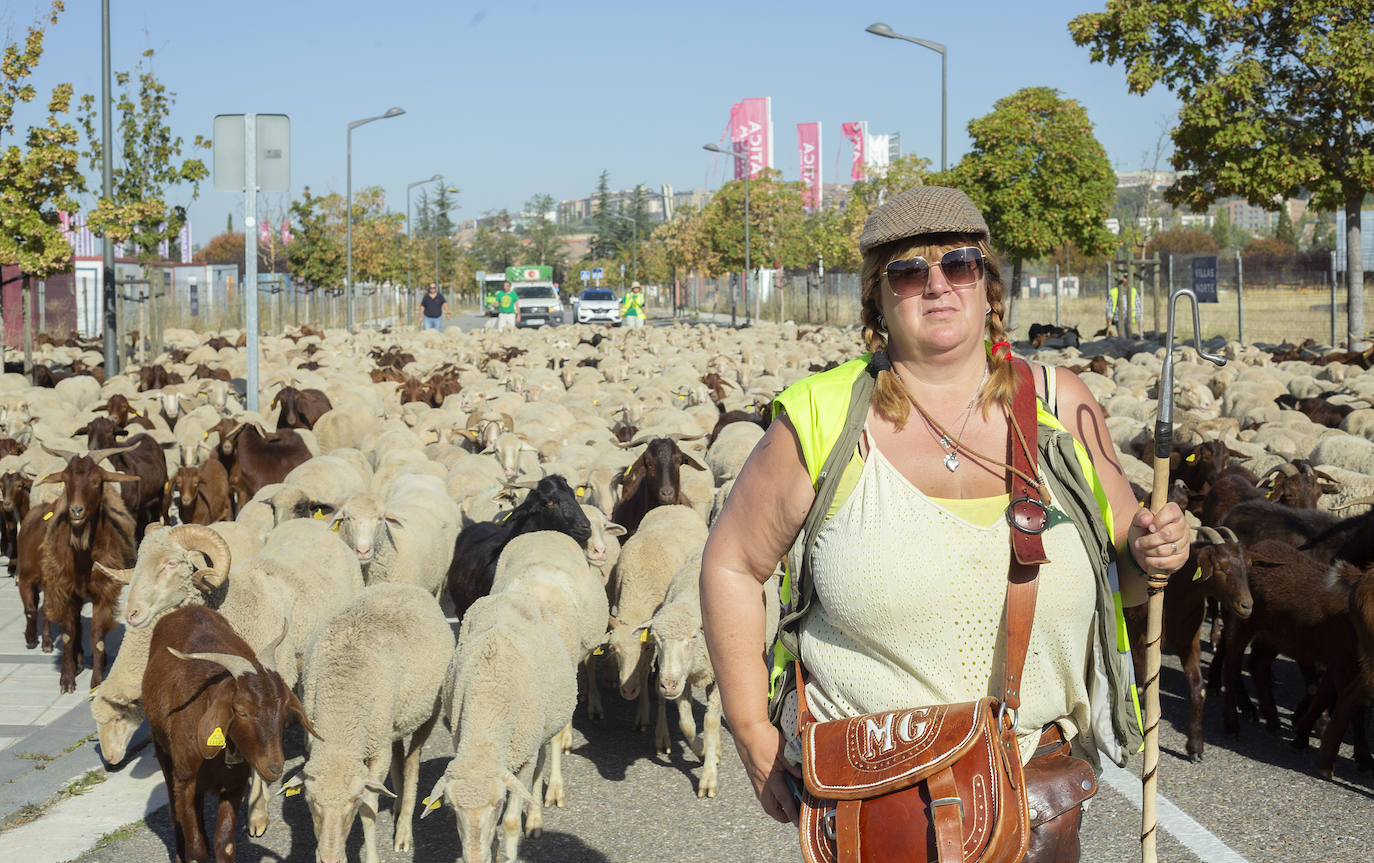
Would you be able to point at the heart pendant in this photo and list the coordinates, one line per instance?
(952, 461)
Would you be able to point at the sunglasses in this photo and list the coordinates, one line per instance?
(910, 276)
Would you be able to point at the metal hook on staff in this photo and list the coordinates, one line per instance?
(1159, 494)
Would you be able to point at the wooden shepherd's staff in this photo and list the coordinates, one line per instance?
(1159, 495)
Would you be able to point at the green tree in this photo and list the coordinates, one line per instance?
(1277, 98)
(1041, 178)
(38, 181)
(605, 229)
(1182, 241)
(1284, 232)
(316, 253)
(495, 245)
(1221, 229)
(148, 161)
(776, 225)
(541, 235)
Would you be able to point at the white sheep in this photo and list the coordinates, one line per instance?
(666, 538)
(511, 689)
(731, 448)
(404, 533)
(370, 686)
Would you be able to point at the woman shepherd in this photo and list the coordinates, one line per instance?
(910, 568)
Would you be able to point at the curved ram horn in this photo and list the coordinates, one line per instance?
(232, 662)
(198, 537)
(1209, 534)
(1368, 499)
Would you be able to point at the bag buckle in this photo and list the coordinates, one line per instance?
(1015, 716)
(1028, 515)
(949, 801)
(828, 825)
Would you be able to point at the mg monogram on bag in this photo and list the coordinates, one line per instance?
(910, 726)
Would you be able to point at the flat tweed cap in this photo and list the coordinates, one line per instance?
(922, 210)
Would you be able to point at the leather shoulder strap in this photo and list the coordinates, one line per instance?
(1028, 517)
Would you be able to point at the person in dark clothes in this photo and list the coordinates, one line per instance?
(435, 309)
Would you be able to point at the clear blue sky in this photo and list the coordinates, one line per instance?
(518, 98)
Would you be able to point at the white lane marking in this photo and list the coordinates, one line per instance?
(1196, 838)
(72, 827)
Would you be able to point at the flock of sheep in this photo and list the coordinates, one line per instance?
(412, 510)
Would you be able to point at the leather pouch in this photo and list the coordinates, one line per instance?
(1057, 785)
(930, 783)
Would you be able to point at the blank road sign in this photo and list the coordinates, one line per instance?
(274, 152)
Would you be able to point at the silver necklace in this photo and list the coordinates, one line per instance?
(951, 447)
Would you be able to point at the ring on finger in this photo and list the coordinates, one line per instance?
(1173, 548)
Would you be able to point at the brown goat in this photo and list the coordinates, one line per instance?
(300, 409)
(203, 493)
(260, 458)
(215, 711)
(1216, 569)
(653, 480)
(141, 456)
(1302, 611)
(14, 505)
(88, 523)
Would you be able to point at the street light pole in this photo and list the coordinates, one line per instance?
(410, 234)
(348, 241)
(743, 157)
(107, 267)
(885, 31)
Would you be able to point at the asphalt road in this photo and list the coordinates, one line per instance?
(1253, 799)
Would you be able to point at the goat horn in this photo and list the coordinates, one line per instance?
(1229, 534)
(676, 436)
(232, 662)
(1210, 535)
(198, 537)
(1357, 502)
(268, 655)
(99, 455)
(62, 454)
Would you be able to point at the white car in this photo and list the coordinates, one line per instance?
(538, 304)
(597, 305)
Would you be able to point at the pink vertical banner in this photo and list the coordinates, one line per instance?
(285, 233)
(809, 155)
(264, 231)
(857, 136)
(751, 131)
(184, 241)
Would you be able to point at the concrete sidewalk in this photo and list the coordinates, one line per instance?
(46, 738)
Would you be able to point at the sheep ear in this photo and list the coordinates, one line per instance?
(435, 798)
(394, 521)
(296, 781)
(512, 782)
(377, 788)
(691, 462)
(615, 529)
(120, 575)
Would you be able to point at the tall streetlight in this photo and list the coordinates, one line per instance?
(410, 234)
(743, 157)
(348, 282)
(634, 250)
(881, 29)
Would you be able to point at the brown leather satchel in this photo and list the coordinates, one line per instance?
(945, 783)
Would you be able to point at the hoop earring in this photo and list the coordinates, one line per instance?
(882, 324)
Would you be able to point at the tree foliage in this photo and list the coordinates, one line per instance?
(147, 162)
(1040, 176)
(38, 180)
(1182, 241)
(1277, 98)
(540, 234)
(496, 246)
(316, 252)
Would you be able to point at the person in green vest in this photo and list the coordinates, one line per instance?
(632, 306)
(906, 579)
(507, 307)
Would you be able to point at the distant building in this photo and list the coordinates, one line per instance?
(1245, 216)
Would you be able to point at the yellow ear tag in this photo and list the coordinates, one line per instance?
(431, 805)
(581, 492)
(47, 515)
(1191, 458)
(644, 635)
(600, 651)
(291, 792)
(166, 485)
(596, 401)
(136, 413)
(216, 738)
(319, 513)
(628, 469)
(1198, 574)
(335, 528)
(205, 436)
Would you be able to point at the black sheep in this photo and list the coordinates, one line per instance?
(551, 505)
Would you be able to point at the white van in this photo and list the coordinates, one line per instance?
(537, 304)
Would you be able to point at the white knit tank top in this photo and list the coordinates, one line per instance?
(909, 611)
